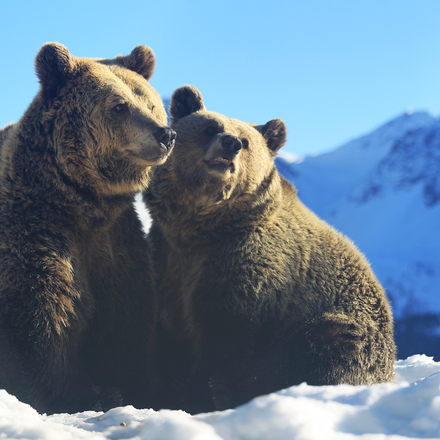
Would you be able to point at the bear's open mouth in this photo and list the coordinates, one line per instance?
(223, 162)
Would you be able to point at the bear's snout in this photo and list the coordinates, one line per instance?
(231, 143)
(166, 137)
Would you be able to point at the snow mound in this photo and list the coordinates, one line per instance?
(414, 368)
(409, 408)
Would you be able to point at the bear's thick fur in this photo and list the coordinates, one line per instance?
(77, 302)
(257, 293)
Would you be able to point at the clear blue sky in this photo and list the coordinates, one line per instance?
(331, 69)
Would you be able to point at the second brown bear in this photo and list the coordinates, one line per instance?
(257, 292)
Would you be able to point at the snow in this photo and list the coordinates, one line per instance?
(142, 213)
(290, 157)
(408, 408)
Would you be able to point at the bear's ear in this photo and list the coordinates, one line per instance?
(275, 134)
(185, 100)
(141, 60)
(53, 65)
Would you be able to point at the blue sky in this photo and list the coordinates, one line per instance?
(331, 69)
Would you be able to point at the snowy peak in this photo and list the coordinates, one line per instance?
(414, 159)
(322, 180)
(379, 139)
(395, 128)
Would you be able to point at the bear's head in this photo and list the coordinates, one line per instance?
(216, 157)
(105, 123)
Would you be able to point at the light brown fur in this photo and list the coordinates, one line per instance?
(263, 293)
(77, 301)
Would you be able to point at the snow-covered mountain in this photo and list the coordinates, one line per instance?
(324, 179)
(383, 191)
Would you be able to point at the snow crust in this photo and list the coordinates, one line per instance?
(408, 408)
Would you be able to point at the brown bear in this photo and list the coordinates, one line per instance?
(4, 132)
(77, 301)
(256, 292)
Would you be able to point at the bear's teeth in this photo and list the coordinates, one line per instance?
(225, 160)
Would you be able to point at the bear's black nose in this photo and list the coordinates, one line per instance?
(166, 136)
(232, 143)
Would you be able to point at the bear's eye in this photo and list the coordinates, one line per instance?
(245, 143)
(120, 108)
(152, 108)
(211, 130)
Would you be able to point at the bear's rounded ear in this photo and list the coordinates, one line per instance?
(274, 133)
(53, 65)
(141, 60)
(185, 100)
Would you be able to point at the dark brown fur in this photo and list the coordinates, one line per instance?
(77, 305)
(257, 293)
